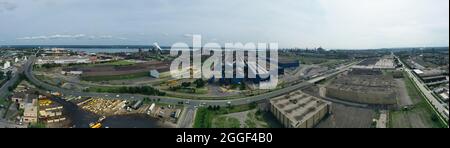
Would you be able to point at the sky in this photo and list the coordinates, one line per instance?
(332, 24)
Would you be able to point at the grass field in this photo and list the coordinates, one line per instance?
(145, 90)
(421, 115)
(3, 102)
(115, 77)
(119, 63)
(321, 61)
(256, 120)
(113, 63)
(332, 63)
(193, 90)
(101, 89)
(226, 122)
(204, 116)
(312, 60)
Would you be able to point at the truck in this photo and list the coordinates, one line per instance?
(56, 94)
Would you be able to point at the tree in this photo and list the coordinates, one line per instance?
(9, 75)
(186, 84)
(199, 83)
(242, 86)
(2, 74)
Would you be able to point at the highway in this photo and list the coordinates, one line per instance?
(6, 124)
(241, 101)
(187, 117)
(4, 89)
(428, 94)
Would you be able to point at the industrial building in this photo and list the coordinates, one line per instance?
(286, 63)
(30, 114)
(7, 65)
(64, 60)
(368, 89)
(71, 71)
(385, 63)
(253, 71)
(432, 77)
(299, 110)
(154, 73)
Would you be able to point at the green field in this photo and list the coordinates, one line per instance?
(204, 116)
(421, 115)
(145, 90)
(112, 63)
(115, 77)
(3, 102)
(193, 90)
(256, 119)
(226, 122)
(101, 89)
(312, 60)
(321, 61)
(119, 63)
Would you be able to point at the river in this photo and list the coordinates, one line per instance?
(81, 118)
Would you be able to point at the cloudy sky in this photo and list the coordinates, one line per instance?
(291, 23)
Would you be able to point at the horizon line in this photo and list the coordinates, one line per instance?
(137, 45)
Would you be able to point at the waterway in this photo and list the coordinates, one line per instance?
(81, 119)
(104, 50)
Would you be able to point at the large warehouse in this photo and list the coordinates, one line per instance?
(368, 89)
(299, 110)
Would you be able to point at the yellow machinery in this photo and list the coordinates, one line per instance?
(45, 102)
(96, 125)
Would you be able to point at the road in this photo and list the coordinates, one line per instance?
(187, 119)
(428, 94)
(4, 89)
(6, 124)
(171, 100)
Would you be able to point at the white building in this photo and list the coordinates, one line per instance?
(444, 96)
(30, 113)
(418, 71)
(7, 65)
(64, 60)
(72, 72)
(154, 73)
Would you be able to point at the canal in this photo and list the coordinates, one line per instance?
(81, 119)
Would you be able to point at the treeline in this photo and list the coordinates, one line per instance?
(189, 86)
(50, 65)
(16, 83)
(145, 90)
(8, 75)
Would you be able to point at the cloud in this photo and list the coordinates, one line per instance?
(107, 37)
(51, 37)
(76, 36)
(291, 23)
(187, 35)
(7, 6)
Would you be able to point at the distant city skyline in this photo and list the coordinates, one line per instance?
(332, 24)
